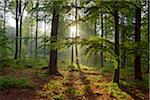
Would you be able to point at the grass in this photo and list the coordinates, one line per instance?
(7, 82)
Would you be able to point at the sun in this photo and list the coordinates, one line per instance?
(73, 30)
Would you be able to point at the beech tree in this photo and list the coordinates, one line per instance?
(54, 32)
(16, 48)
(138, 74)
(116, 17)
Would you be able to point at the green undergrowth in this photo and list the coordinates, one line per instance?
(101, 85)
(106, 69)
(74, 91)
(7, 82)
(127, 78)
(40, 74)
(53, 89)
(115, 91)
(22, 63)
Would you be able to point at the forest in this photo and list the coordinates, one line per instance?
(74, 49)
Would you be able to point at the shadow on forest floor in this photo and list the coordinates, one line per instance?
(135, 93)
(82, 85)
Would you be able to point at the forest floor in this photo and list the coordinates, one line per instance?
(87, 84)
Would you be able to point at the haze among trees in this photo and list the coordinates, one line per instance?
(74, 49)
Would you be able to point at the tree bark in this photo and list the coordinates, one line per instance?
(53, 52)
(123, 56)
(5, 5)
(72, 54)
(147, 71)
(37, 21)
(102, 34)
(95, 33)
(76, 45)
(137, 61)
(31, 40)
(45, 37)
(21, 12)
(16, 48)
(20, 41)
(117, 70)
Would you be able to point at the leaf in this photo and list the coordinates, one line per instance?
(115, 63)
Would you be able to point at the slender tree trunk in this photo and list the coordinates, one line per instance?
(72, 53)
(20, 42)
(21, 12)
(31, 40)
(102, 34)
(37, 22)
(20, 47)
(123, 56)
(16, 51)
(76, 45)
(116, 16)
(147, 71)
(53, 52)
(45, 37)
(95, 33)
(138, 74)
(5, 5)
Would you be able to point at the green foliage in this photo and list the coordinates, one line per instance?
(87, 88)
(73, 67)
(115, 91)
(101, 85)
(59, 97)
(4, 49)
(40, 74)
(7, 82)
(106, 69)
(24, 82)
(73, 91)
(127, 73)
(56, 85)
(22, 63)
(144, 84)
(52, 90)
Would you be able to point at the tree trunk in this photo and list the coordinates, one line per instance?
(16, 49)
(72, 54)
(53, 52)
(76, 45)
(95, 33)
(45, 37)
(138, 74)
(20, 41)
(102, 34)
(21, 11)
(37, 21)
(147, 71)
(123, 56)
(31, 40)
(117, 70)
(5, 5)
